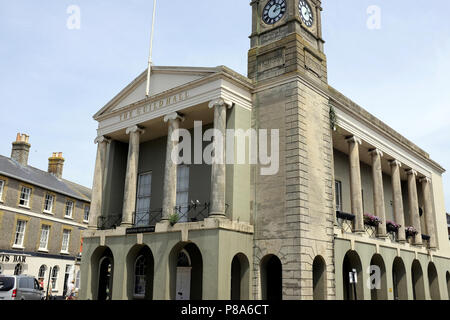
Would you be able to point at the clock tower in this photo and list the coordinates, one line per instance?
(294, 28)
(293, 210)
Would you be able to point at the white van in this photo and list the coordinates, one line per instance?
(19, 288)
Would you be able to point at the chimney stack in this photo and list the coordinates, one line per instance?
(21, 149)
(56, 164)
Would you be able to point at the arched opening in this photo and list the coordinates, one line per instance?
(319, 279)
(186, 272)
(448, 284)
(352, 264)
(433, 282)
(18, 269)
(378, 282)
(417, 281)
(271, 278)
(41, 275)
(399, 280)
(140, 273)
(102, 267)
(240, 278)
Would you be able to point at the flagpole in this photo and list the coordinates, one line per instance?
(149, 68)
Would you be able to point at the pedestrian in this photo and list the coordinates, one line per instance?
(70, 290)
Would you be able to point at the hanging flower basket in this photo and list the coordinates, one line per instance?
(371, 220)
(411, 232)
(391, 226)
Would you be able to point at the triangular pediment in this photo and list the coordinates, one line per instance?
(162, 79)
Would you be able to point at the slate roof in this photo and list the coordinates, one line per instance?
(43, 179)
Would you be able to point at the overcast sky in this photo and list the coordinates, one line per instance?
(53, 79)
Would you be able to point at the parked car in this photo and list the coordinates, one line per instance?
(21, 287)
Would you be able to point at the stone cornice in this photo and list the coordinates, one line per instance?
(221, 72)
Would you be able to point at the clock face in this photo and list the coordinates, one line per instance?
(274, 11)
(306, 13)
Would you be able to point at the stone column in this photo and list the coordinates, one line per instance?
(97, 185)
(129, 197)
(218, 175)
(355, 183)
(398, 199)
(170, 173)
(428, 212)
(378, 191)
(414, 205)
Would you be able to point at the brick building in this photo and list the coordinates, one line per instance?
(42, 217)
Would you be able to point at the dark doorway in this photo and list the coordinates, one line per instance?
(352, 291)
(399, 280)
(105, 279)
(417, 281)
(271, 278)
(240, 278)
(319, 279)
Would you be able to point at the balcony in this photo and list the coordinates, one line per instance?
(194, 212)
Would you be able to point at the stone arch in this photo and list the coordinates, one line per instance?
(433, 282)
(240, 277)
(102, 268)
(448, 283)
(185, 261)
(319, 279)
(400, 284)
(417, 281)
(140, 273)
(352, 261)
(271, 286)
(378, 286)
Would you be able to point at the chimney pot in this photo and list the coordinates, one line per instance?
(56, 164)
(21, 149)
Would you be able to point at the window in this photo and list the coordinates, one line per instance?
(139, 272)
(48, 204)
(338, 190)
(43, 242)
(2, 185)
(65, 241)
(77, 280)
(183, 192)
(20, 232)
(69, 209)
(41, 274)
(54, 277)
(18, 269)
(143, 199)
(86, 214)
(25, 197)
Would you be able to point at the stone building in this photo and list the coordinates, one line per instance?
(42, 217)
(339, 205)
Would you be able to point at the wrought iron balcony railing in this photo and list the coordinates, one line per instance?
(109, 222)
(345, 221)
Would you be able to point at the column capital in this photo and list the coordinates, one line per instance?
(425, 180)
(395, 163)
(173, 116)
(376, 152)
(220, 102)
(135, 129)
(353, 139)
(101, 139)
(411, 172)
